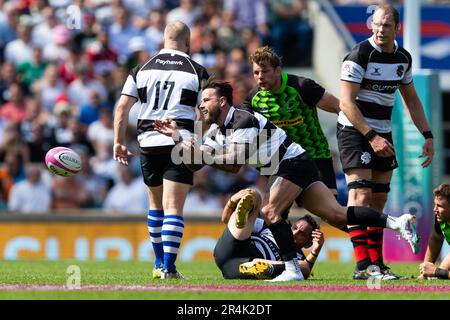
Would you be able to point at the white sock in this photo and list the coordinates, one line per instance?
(292, 265)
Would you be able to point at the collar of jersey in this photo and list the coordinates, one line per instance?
(172, 51)
(445, 227)
(372, 42)
(229, 115)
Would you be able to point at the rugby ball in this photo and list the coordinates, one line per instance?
(63, 161)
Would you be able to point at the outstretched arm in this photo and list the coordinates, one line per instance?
(329, 103)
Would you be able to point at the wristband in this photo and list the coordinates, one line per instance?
(314, 255)
(309, 262)
(427, 134)
(441, 273)
(369, 135)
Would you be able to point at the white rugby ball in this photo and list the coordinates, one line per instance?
(63, 161)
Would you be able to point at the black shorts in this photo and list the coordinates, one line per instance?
(356, 152)
(326, 172)
(229, 253)
(300, 170)
(158, 166)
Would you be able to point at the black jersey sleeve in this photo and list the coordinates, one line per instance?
(437, 228)
(310, 91)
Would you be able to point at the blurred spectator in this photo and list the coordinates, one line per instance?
(20, 50)
(100, 132)
(31, 195)
(200, 202)
(32, 70)
(88, 34)
(11, 172)
(128, 195)
(248, 14)
(64, 115)
(7, 77)
(100, 54)
(154, 35)
(8, 25)
(95, 184)
(138, 52)
(290, 29)
(69, 193)
(58, 50)
(11, 140)
(78, 90)
(89, 113)
(43, 33)
(120, 33)
(48, 89)
(15, 109)
(188, 12)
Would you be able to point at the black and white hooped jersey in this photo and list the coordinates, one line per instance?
(380, 75)
(246, 127)
(264, 241)
(166, 86)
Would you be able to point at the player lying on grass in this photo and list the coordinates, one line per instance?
(247, 248)
(440, 232)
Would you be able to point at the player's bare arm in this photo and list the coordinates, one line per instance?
(434, 247)
(415, 109)
(349, 91)
(329, 103)
(120, 151)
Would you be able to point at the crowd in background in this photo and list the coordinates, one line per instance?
(62, 67)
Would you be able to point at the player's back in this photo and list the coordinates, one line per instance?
(167, 86)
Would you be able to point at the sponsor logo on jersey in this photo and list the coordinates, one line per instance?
(400, 70)
(381, 87)
(164, 62)
(376, 72)
(287, 123)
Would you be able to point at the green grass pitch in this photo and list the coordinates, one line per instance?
(204, 281)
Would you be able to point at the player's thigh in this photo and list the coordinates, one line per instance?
(319, 200)
(282, 193)
(174, 196)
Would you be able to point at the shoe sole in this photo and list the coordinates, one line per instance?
(244, 206)
(257, 269)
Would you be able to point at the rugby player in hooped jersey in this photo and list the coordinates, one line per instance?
(167, 85)
(293, 174)
(370, 75)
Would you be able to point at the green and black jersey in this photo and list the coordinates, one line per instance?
(442, 228)
(293, 109)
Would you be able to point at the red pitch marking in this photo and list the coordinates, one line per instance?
(232, 288)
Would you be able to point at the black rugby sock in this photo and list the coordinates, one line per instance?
(285, 239)
(365, 217)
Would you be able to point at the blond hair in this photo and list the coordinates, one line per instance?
(264, 57)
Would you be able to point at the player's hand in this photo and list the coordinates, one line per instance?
(427, 269)
(318, 240)
(427, 152)
(121, 153)
(421, 277)
(167, 127)
(382, 147)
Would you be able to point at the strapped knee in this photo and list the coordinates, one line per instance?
(359, 184)
(381, 187)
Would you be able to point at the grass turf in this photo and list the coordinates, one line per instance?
(200, 273)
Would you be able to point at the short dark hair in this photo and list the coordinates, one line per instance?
(443, 191)
(223, 89)
(310, 220)
(391, 9)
